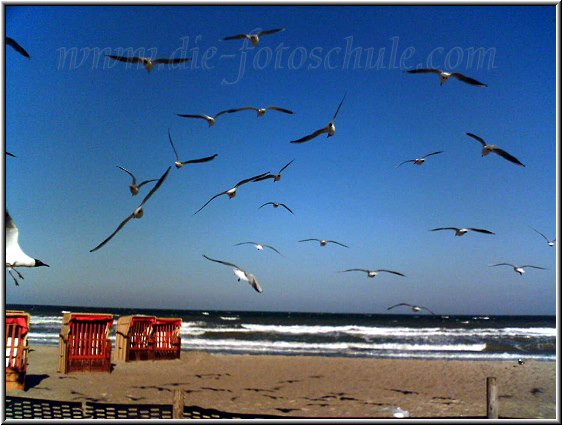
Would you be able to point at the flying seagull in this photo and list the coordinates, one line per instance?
(463, 230)
(330, 128)
(277, 205)
(134, 187)
(550, 242)
(254, 38)
(493, 148)
(444, 76)
(11, 42)
(415, 308)
(260, 111)
(277, 177)
(231, 192)
(241, 274)
(211, 120)
(148, 62)
(419, 161)
(259, 246)
(15, 257)
(180, 164)
(323, 242)
(518, 269)
(373, 273)
(137, 213)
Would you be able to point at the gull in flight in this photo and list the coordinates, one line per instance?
(323, 242)
(330, 128)
(260, 111)
(211, 120)
(11, 42)
(277, 205)
(254, 38)
(463, 230)
(518, 269)
(373, 273)
(419, 161)
(550, 242)
(259, 246)
(277, 177)
(241, 274)
(231, 192)
(444, 76)
(137, 213)
(148, 62)
(493, 148)
(415, 308)
(180, 164)
(134, 187)
(15, 257)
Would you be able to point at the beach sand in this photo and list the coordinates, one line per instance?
(305, 385)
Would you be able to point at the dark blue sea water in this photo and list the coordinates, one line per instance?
(411, 336)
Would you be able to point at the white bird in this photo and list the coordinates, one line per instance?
(137, 213)
(518, 269)
(463, 230)
(277, 205)
(11, 42)
(277, 177)
(260, 111)
(521, 362)
(323, 242)
(15, 257)
(180, 164)
(259, 246)
(373, 273)
(231, 192)
(444, 76)
(211, 120)
(415, 308)
(241, 274)
(548, 241)
(419, 161)
(254, 38)
(134, 187)
(398, 412)
(493, 148)
(330, 128)
(148, 62)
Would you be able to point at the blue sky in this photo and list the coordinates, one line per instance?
(72, 116)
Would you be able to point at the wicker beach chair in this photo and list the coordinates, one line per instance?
(134, 340)
(17, 328)
(84, 344)
(166, 338)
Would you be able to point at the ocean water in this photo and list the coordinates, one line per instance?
(409, 336)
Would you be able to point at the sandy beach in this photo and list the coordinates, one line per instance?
(306, 385)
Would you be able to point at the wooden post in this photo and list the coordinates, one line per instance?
(492, 398)
(177, 412)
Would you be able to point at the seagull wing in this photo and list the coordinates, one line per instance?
(481, 231)
(338, 243)
(12, 234)
(391, 271)
(129, 173)
(306, 240)
(114, 233)
(424, 71)
(204, 117)
(196, 161)
(209, 201)
(145, 182)
(545, 238)
(132, 59)
(445, 228)
(355, 270)
(173, 147)
(534, 267)
(251, 179)
(236, 37)
(267, 203)
(270, 247)
(339, 106)
(156, 187)
(230, 111)
(11, 154)
(508, 156)
(425, 308)
(502, 264)
(287, 208)
(398, 305)
(277, 108)
(266, 32)
(432, 153)
(246, 243)
(253, 281)
(11, 42)
(311, 136)
(285, 166)
(480, 139)
(170, 61)
(222, 262)
(404, 162)
(468, 80)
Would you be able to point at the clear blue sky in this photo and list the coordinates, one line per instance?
(70, 120)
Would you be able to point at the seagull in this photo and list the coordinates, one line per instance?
(444, 76)
(211, 120)
(241, 274)
(521, 362)
(10, 154)
(517, 269)
(254, 38)
(398, 412)
(462, 231)
(330, 128)
(415, 308)
(137, 213)
(419, 161)
(133, 187)
(550, 242)
(231, 192)
(373, 273)
(148, 62)
(180, 164)
(11, 42)
(323, 242)
(277, 177)
(259, 246)
(15, 257)
(493, 148)
(261, 111)
(277, 205)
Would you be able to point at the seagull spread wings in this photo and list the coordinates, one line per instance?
(412, 306)
(134, 178)
(191, 161)
(242, 274)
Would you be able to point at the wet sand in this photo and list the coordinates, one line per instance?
(305, 385)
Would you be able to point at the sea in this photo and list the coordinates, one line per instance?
(396, 336)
